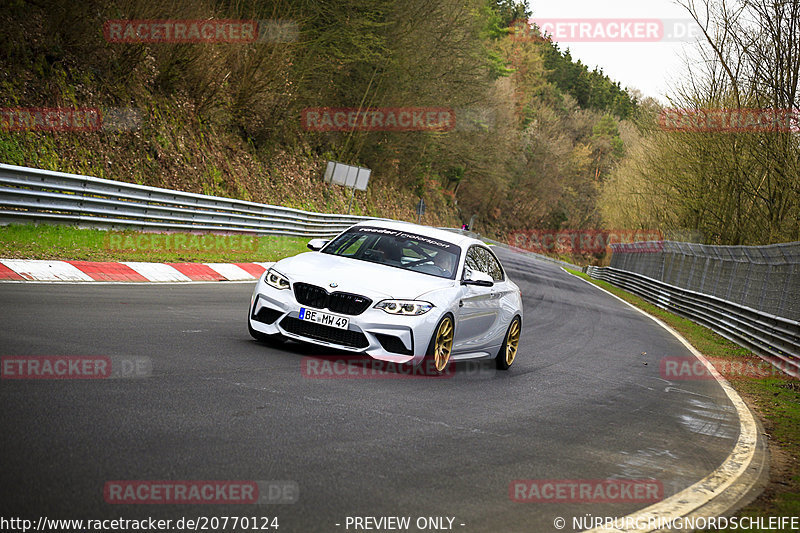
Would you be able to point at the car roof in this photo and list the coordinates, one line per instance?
(425, 231)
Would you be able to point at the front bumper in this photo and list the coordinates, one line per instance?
(380, 335)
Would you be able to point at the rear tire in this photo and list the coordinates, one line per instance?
(438, 355)
(508, 351)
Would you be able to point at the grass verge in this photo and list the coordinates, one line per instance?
(30, 241)
(774, 397)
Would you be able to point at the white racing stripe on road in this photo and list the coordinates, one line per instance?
(229, 271)
(45, 270)
(157, 271)
(711, 486)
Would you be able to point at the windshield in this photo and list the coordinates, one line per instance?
(397, 249)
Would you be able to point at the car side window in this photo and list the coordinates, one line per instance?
(481, 259)
(471, 260)
(495, 270)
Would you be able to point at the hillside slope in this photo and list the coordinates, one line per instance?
(225, 118)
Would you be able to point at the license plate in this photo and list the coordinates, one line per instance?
(326, 319)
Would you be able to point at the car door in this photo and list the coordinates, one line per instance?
(479, 307)
(501, 291)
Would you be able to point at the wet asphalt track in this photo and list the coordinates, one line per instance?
(579, 403)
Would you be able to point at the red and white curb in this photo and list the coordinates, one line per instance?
(128, 271)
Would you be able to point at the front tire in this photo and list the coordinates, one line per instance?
(508, 351)
(438, 355)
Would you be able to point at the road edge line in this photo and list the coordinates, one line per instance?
(732, 468)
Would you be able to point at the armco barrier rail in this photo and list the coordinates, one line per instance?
(33, 195)
(774, 339)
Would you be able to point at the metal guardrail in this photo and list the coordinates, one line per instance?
(774, 339)
(34, 195)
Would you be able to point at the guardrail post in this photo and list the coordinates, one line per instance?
(767, 275)
(668, 252)
(705, 273)
(747, 278)
(732, 279)
(721, 261)
(680, 282)
(785, 291)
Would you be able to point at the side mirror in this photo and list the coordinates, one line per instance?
(317, 244)
(476, 277)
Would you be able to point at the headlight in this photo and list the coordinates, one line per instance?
(276, 280)
(404, 307)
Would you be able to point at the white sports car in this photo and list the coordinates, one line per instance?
(395, 291)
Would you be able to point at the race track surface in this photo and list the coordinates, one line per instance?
(579, 403)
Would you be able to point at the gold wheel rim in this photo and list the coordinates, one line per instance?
(443, 344)
(512, 342)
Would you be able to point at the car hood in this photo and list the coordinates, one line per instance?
(359, 277)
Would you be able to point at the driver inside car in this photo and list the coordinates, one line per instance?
(392, 252)
(444, 261)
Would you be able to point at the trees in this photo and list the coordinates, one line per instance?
(732, 186)
(534, 135)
